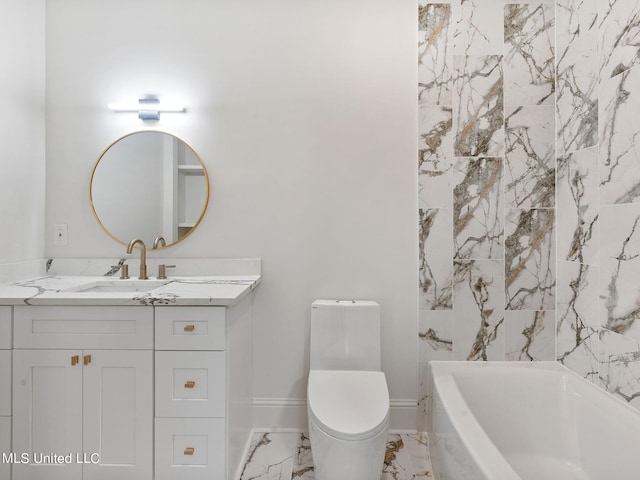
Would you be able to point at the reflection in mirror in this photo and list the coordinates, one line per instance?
(149, 184)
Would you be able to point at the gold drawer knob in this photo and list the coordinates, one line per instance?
(189, 451)
(189, 384)
(189, 328)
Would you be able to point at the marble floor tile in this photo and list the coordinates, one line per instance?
(288, 456)
(417, 445)
(270, 457)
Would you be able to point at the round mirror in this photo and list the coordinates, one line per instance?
(149, 184)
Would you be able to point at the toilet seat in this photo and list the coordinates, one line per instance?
(349, 405)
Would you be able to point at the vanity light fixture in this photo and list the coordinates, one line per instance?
(148, 108)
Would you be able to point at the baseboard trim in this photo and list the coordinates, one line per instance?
(272, 414)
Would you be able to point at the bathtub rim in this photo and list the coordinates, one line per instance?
(488, 458)
(448, 366)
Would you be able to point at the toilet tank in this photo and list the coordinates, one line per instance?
(345, 335)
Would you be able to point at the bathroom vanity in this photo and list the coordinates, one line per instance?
(121, 379)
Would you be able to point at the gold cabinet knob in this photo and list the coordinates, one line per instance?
(75, 360)
(189, 328)
(189, 451)
(190, 384)
(87, 359)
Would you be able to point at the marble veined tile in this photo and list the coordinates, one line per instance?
(577, 323)
(619, 267)
(478, 27)
(478, 303)
(619, 129)
(529, 63)
(270, 457)
(577, 37)
(406, 458)
(435, 54)
(576, 111)
(397, 462)
(530, 259)
(577, 74)
(435, 258)
(435, 334)
(619, 36)
(435, 156)
(620, 366)
(417, 445)
(530, 335)
(530, 157)
(478, 105)
(477, 208)
(435, 342)
(303, 459)
(423, 396)
(577, 208)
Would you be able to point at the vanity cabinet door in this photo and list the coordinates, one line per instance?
(5, 383)
(87, 406)
(190, 384)
(190, 449)
(118, 415)
(6, 333)
(190, 328)
(47, 413)
(5, 447)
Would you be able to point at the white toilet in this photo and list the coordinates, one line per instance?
(348, 399)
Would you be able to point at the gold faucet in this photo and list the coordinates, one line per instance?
(159, 239)
(143, 257)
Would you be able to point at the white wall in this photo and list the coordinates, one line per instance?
(304, 113)
(22, 162)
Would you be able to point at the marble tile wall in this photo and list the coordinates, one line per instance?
(529, 186)
(487, 182)
(598, 325)
(578, 187)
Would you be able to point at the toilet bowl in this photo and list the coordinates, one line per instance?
(348, 423)
(347, 394)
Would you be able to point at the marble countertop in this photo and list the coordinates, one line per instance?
(192, 290)
(62, 281)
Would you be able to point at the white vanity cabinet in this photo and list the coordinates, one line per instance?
(5, 389)
(190, 393)
(203, 390)
(128, 389)
(83, 389)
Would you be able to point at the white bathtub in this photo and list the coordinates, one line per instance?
(528, 421)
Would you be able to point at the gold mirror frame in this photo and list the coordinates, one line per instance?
(125, 241)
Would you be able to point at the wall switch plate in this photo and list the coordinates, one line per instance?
(60, 234)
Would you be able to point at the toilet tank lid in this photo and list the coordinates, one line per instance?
(345, 303)
(348, 404)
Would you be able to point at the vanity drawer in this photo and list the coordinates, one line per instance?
(122, 328)
(190, 328)
(190, 384)
(190, 448)
(5, 383)
(5, 446)
(5, 327)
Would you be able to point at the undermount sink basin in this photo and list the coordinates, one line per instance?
(119, 286)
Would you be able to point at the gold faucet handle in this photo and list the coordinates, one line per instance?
(162, 270)
(124, 271)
